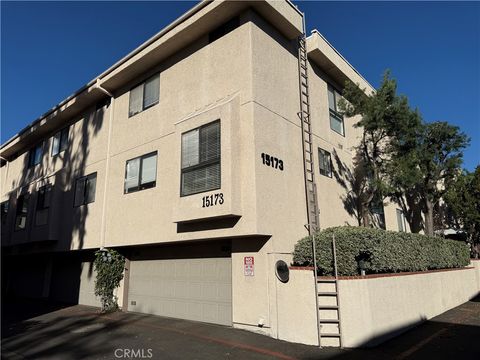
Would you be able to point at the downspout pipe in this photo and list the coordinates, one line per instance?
(107, 163)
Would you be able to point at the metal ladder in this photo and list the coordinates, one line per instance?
(326, 300)
(307, 138)
(328, 303)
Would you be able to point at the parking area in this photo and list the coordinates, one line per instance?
(45, 331)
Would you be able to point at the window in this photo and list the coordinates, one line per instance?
(85, 190)
(336, 119)
(325, 161)
(400, 220)
(60, 141)
(201, 159)
(4, 211)
(22, 211)
(43, 204)
(35, 155)
(141, 173)
(144, 95)
(224, 29)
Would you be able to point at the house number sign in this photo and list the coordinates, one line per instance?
(272, 161)
(211, 200)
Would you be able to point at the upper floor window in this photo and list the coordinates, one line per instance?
(85, 190)
(141, 173)
(336, 119)
(224, 29)
(43, 204)
(22, 211)
(60, 141)
(4, 211)
(144, 95)
(201, 159)
(325, 161)
(35, 155)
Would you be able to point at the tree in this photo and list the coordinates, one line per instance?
(462, 200)
(438, 157)
(404, 176)
(381, 113)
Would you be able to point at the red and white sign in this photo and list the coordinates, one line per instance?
(248, 265)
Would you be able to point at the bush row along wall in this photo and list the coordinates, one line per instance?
(379, 251)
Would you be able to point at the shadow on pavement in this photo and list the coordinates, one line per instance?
(81, 332)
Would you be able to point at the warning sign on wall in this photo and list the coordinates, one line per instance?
(248, 265)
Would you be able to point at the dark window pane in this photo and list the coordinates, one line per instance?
(210, 142)
(202, 179)
(64, 139)
(22, 211)
(201, 159)
(91, 186)
(79, 192)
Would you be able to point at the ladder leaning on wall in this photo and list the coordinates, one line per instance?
(326, 290)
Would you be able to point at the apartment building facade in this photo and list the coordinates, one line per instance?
(186, 156)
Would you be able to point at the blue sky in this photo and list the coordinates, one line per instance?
(51, 49)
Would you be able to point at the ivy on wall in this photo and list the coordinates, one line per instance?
(109, 266)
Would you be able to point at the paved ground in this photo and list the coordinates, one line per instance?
(40, 331)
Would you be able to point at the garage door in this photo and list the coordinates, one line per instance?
(193, 289)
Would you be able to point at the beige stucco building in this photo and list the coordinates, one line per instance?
(186, 156)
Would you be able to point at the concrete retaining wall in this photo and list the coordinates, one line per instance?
(375, 308)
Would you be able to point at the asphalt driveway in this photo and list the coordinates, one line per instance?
(45, 331)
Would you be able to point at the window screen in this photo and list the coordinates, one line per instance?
(141, 173)
(325, 160)
(85, 188)
(144, 95)
(201, 159)
(151, 92)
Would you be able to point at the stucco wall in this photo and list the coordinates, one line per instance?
(376, 309)
(296, 308)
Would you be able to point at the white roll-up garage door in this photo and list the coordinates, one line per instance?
(193, 289)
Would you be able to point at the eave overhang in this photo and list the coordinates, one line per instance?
(332, 63)
(201, 19)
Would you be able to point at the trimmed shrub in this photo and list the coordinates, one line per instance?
(380, 251)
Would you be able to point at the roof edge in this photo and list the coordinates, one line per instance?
(315, 31)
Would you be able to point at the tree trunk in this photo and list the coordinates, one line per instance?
(365, 216)
(414, 217)
(428, 212)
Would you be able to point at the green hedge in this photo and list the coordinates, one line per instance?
(381, 251)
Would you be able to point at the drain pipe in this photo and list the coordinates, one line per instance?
(107, 163)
